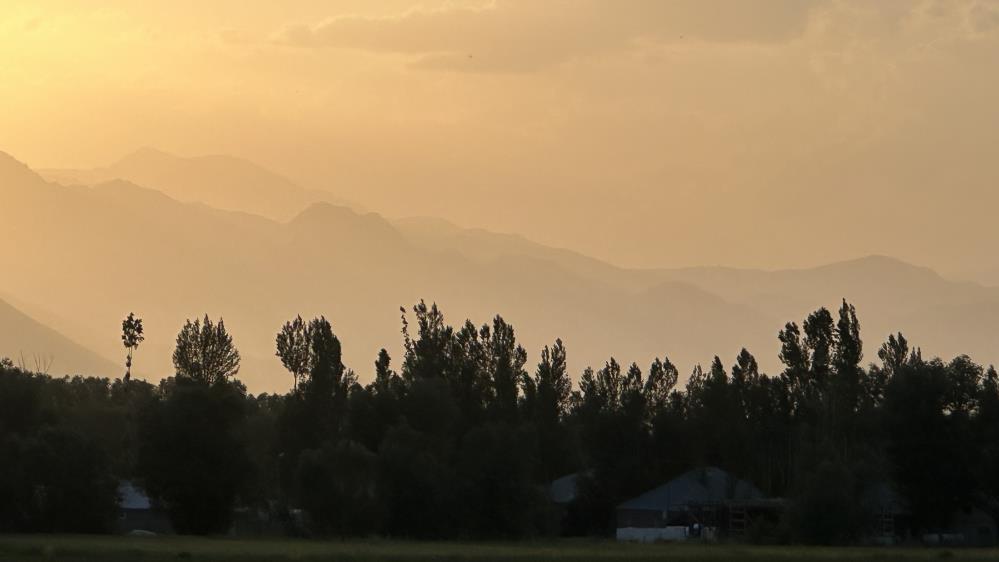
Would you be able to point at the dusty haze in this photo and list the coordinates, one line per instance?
(644, 133)
(632, 151)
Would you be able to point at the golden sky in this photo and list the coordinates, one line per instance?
(646, 132)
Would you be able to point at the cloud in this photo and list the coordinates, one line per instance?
(524, 35)
(983, 18)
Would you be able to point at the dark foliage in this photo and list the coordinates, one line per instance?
(191, 455)
(463, 441)
(339, 488)
(205, 352)
(62, 442)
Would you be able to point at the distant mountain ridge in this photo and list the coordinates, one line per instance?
(35, 346)
(220, 181)
(98, 253)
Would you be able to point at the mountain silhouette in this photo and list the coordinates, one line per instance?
(93, 254)
(38, 347)
(223, 182)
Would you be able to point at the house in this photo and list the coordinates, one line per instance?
(136, 513)
(700, 504)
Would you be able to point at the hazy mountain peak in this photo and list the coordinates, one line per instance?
(324, 213)
(24, 338)
(429, 225)
(325, 219)
(877, 264)
(147, 154)
(880, 260)
(324, 210)
(221, 181)
(152, 162)
(215, 167)
(119, 187)
(13, 171)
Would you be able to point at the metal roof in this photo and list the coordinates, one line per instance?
(699, 486)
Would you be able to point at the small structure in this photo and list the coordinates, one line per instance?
(700, 504)
(137, 513)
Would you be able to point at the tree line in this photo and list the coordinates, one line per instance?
(463, 440)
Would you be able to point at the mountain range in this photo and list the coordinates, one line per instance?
(171, 238)
(32, 345)
(220, 181)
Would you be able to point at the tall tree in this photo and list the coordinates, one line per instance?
(386, 380)
(661, 382)
(375, 408)
(506, 367)
(427, 350)
(329, 379)
(205, 352)
(633, 395)
(467, 368)
(609, 385)
(193, 455)
(848, 385)
(131, 337)
(820, 342)
(551, 389)
(745, 382)
(894, 354)
(294, 347)
(794, 356)
(547, 399)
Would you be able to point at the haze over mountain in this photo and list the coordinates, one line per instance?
(775, 134)
(223, 182)
(93, 254)
(40, 348)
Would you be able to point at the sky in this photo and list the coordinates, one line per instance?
(649, 133)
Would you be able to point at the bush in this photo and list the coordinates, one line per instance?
(338, 488)
(827, 508)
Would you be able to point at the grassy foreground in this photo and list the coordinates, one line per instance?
(110, 548)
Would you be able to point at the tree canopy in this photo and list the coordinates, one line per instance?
(466, 422)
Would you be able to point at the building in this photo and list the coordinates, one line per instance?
(701, 504)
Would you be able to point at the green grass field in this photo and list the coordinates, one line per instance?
(108, 548)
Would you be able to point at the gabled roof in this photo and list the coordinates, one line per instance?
(701, 485)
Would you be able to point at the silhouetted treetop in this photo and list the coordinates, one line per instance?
(205, 352)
